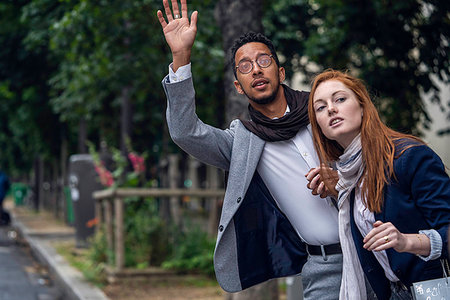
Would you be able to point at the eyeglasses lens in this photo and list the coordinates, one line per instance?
(263, 61)
(245, 66)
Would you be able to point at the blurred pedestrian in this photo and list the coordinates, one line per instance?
(5, 218)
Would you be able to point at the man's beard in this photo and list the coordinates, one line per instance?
(265, 100)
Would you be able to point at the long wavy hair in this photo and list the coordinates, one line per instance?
(378, 142)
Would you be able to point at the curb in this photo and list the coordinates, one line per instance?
(71, 281)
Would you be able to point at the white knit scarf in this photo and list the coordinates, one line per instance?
(350, 168)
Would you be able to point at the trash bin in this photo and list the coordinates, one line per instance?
(83, 182)
(19, 192)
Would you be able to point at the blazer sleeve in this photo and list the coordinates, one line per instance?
(206, 143)
(423, 171)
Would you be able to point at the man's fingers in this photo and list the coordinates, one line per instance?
(176, 11)
(161, 19)
(184, 9)
(194, 18)
(167, 10)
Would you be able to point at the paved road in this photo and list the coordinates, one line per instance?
(21, 277)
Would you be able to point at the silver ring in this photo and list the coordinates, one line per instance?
(176, 16)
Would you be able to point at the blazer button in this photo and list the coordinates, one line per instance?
(238, 199)
(221, 228)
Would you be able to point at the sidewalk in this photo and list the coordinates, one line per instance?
(40, 230)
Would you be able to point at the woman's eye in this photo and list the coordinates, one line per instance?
(320, 108)
(340, 99)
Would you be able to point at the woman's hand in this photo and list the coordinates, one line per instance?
(385, 235)
(322, 181)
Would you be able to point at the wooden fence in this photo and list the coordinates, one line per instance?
(109, 210)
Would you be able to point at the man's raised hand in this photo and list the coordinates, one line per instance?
(179, 33)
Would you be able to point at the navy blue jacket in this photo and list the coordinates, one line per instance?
(418, 198)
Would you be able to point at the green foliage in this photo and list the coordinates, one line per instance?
(28, 127)
(398, 47)
(146, 239)
(84, 260)
(63, 61)
(98, 251)
(194, 251)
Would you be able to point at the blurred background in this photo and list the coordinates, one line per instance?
(84, 77)
(77, 71)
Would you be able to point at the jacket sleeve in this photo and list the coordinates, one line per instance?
(423, 171)
(206, 143)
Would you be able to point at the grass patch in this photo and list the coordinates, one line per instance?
(81, 260)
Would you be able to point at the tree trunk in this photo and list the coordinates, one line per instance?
(236, 17)
(82, 136)
(125, 119)
(175, 207)
(212, 175)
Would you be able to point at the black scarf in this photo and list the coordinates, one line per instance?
(286, 127)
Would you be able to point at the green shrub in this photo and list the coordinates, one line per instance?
(146, 236)
(193, 251)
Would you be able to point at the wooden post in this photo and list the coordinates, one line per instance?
(164, 205)
(109, 225)
(119, 234)
(212, 175)
(175, 209)
(192, 175)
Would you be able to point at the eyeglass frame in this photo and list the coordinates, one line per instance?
(256, 61)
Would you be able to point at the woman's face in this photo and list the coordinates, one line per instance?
(338, 111)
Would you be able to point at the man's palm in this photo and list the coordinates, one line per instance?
(179, 35)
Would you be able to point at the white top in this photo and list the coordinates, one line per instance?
(283, 166)
(364, 220)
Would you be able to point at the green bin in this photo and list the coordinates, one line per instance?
(70, 216)
(19, 192)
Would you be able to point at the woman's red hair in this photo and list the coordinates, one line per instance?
(377, 140)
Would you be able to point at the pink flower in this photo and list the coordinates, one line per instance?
(137, 162)
(106, 177)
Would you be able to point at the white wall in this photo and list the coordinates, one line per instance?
(440, 144)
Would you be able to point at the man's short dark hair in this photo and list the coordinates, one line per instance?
(251, 37)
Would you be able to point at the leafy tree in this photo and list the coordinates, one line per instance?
(29, 127)
(115, 49)
(397, 47)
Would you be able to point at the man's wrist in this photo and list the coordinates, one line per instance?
(181, 59)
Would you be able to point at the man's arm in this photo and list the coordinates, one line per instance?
(178, 32)
(208, 144)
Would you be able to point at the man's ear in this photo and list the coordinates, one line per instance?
(282, 73)
(238, 87)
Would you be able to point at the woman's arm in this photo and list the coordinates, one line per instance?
(386, 235)
(422, 173)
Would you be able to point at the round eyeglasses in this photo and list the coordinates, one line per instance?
(246, 66)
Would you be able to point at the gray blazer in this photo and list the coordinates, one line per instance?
(237, 151)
